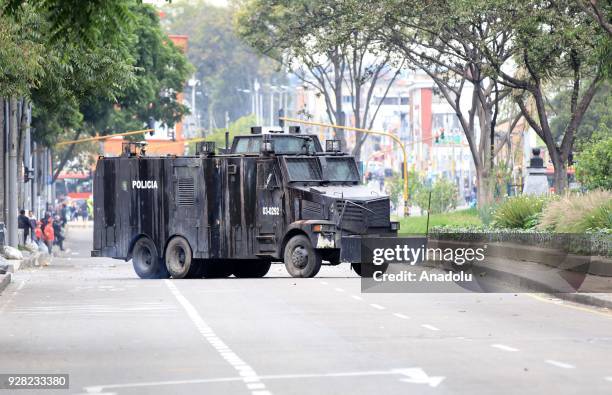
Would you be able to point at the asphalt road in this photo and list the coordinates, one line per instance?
(116, 334)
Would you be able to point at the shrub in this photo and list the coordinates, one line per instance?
(443, 196)
(594, 161)
(578, 213)
(518, 212)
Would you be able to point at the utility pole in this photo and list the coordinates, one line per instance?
(12, 175)
(271, 106)
(3, 136)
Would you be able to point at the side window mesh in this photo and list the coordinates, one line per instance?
(186, 192)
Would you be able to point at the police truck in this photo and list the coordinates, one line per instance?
(272, 197)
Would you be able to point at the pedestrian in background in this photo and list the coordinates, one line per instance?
(58, 231)
(23, 222)
(38, 233)
(49, 234)
(33, 222)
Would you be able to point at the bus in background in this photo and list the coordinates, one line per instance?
(75, 186)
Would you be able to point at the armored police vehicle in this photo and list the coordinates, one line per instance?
(271, 197)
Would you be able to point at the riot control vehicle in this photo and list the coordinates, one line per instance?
(272, 196)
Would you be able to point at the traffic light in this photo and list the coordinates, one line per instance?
(28, 174)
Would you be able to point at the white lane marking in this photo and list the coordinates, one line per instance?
(410, 375)
(356, 297)
(339, 289)
(243, 369)
(504, 347)
(402, 316)
(377, 306)
(20, 287)
(324, 282)
(255, 386)
(559, 364)
(430, 327)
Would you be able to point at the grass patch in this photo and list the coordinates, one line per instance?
(418, 225)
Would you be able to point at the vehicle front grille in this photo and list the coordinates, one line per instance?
(357, 219)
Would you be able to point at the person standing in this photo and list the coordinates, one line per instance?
(49, 235)
(58, 232)
(33, 222)
(23, 222)
(38, 233)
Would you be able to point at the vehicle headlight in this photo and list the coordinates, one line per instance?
(323, 228)
(395, 225)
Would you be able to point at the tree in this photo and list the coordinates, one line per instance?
(599, 112)
(442, 39)
(594, 160)
(225, 65)
(552, 43)
(124, 98)
(321, 44)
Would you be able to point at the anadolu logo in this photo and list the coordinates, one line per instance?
(144, 184)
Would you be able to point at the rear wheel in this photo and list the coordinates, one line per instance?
(251, 268)
(179, 259)
(146, 261)
(301, 259)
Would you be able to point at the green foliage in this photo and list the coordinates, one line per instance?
(21, 53)
(599, 113)
(224, 64)
(460, 218)
(443, 196)
(578, 213)
(594, 161)
(518, 212)
(88, 22)
(394, 186)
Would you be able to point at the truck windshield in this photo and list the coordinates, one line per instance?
(327, 169)
(341, 170)
(283, 145)
(304, 169)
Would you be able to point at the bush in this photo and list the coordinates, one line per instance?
(518, 212)
(443, 196)
(594, 161)
(578, 213)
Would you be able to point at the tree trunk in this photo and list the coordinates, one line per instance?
(560, 175)
(23, 124)
(2, 169)
(484, 192)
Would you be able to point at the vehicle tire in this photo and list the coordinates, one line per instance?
(368, 269)
(146, 261)
(215, 269)
(179, 259)
(301, 259)
(251, 268)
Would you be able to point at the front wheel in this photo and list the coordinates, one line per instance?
(146, 261)
(179, 259)
(301, 259)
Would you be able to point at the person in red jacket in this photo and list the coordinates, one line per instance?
(38, 233)
(49, 235)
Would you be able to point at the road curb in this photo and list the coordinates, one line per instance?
(5, 280)
(537, 286)
(531, 285)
